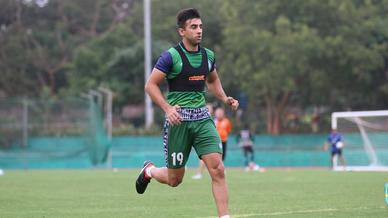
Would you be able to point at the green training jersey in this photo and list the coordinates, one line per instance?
(171, 63)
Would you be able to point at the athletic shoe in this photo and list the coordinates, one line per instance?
(142, 180)
(197, 176)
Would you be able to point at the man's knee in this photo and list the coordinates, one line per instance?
(217, 171)
(174, 182)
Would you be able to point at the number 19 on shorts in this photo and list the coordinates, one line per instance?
(177, 157)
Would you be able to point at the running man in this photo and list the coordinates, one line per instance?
(188, 67)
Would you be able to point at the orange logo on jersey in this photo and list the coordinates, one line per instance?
(197, 78)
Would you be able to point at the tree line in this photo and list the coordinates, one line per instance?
(283, 56)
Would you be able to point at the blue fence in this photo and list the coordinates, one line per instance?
(131, 151)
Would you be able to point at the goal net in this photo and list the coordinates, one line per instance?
(365, 135)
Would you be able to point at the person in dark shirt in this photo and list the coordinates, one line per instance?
(335, 141)
(245, 140)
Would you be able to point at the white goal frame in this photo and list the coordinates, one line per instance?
(336, 115)
(374, 166)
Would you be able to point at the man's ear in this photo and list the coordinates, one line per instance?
(181, 31)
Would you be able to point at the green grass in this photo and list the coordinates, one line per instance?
(100, 193)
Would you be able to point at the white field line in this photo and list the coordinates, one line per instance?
(296, 211)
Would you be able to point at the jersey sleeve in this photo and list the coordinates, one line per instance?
(212, 66)
(212, 59)
(164, 62)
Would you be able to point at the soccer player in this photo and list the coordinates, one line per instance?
(335, 141)
(245, 140)
(188, 67)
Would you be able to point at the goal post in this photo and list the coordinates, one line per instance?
(366, 138)
(352, 114)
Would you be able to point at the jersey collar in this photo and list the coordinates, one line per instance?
(191, 52)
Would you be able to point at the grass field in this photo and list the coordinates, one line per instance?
(276, 193)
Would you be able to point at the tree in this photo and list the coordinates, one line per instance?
(271, 61)
(306, 52)
(114, 60)
(43, 37)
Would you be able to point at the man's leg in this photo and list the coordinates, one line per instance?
(171, 177)
(251, 151)
(207, 145)
(246, 158)
(334, 160)
(224, 148)
(341, 158)
(216, 169)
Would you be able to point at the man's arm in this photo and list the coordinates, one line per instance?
(153, 90)
(214, 85)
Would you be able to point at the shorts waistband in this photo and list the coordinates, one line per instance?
(194, 114)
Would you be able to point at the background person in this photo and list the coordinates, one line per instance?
(245, 140)
(224, 128)
(335, 141)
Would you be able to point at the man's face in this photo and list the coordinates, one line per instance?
(192, 31)
(219, 113)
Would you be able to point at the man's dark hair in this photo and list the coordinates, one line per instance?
(186, 14)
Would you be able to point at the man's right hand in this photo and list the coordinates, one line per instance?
(172, 115)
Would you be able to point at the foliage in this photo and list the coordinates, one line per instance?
(304, 53)
(39, 40)
(284, 56)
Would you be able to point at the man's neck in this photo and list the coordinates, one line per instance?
(190, 47)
